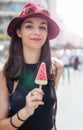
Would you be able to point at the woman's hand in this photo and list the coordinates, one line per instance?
(33, 100)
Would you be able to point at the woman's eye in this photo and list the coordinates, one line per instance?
(43, 28)
(28, 26)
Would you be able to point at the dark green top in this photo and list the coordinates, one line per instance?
(42, 117)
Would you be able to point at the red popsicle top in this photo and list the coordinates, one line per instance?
(41, 77)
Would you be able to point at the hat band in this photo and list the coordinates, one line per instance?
(28, 11)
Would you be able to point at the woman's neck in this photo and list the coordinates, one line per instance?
(31, 56)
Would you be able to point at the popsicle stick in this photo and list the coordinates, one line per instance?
(40, 86)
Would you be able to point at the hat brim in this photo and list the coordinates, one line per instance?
(53, 28)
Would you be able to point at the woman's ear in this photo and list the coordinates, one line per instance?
(18, 32)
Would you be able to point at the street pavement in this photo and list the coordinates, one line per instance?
(70, 102)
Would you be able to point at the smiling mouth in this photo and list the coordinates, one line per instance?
(35, 39)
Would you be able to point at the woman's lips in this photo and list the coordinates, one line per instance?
(35, 39)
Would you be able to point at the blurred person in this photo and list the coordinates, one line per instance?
(81, 62)
(23, 105)
(66, 61)
(76, 63)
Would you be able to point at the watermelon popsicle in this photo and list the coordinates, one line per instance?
(41, 78)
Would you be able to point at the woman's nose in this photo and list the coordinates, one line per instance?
(36, 30)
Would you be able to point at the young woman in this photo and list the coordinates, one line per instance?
(23, 105)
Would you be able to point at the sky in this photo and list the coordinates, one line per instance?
(71, 12)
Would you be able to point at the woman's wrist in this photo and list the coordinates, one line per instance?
(19, 118)
(23, 114)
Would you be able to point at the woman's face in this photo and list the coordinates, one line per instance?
(33, 32)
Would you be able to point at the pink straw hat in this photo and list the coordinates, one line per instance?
(33, 9)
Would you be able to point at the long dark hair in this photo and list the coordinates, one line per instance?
(15, 62)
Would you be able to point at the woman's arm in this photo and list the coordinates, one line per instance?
(4, 120)
(3, 96)
(5, 123)
(32, 102)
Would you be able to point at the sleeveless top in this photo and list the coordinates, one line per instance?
(42, 117)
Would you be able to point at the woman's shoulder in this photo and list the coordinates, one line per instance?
(56, 67)
(2, 76)
(57, 63)
(59, 67)
(2, 80)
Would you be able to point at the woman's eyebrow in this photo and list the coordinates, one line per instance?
(28, 21)
(44, 23)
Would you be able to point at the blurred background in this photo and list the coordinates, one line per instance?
(68, 47)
